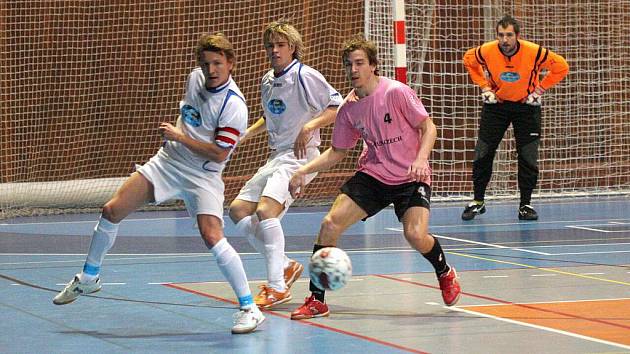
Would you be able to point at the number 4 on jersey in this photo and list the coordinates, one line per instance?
(387, 119)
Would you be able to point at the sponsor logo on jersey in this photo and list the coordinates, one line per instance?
(276, 106)
(191, 115)
(387, 141)
(510, 76)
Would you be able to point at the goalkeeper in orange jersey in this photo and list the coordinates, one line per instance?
(507, 70)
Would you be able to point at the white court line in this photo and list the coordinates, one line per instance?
(593, 229)
(476, 242)
(575, 335)
(543, 275)
(496, 276)
(520, 223)
(549, 302)
(592, 252)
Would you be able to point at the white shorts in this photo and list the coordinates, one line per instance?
(272, 179)
(201, 191)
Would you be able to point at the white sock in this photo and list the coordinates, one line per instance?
(231, 266)
(247, 227)
(102, 240)
(273, 236)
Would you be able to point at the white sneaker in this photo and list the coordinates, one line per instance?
(76, 288)
(246, 320)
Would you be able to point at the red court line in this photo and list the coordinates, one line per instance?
(530, 307)
(308, 323)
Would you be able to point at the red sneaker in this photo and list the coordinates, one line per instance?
(450, 287)
(311, 308)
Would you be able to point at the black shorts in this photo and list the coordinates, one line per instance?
(373, 195)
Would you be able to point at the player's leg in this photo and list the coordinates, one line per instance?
(415, 225)
(527, 128)
(231, 266)
(343, 213)
(492, 127)
(242, 214)
(269, 229)
(136, 191)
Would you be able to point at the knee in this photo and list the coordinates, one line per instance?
(210, 237)
(110, 212)
(529, 153)
(235, 214)
(416, 234)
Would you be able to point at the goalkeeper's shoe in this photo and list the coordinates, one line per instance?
(451, 290)
(76, 288)
(526, 212)
(473, 209)
(292, 272)
(246, 320)
(311, 308)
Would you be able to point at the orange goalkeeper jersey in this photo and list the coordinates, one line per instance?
(513, 78)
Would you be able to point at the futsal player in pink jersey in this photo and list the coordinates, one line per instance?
(393, 167)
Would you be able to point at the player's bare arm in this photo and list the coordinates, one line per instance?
(209, 150)
(420, 168)
(328, 159)
(258, 127)
(326, 118)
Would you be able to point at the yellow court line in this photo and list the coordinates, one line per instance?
(543, 269)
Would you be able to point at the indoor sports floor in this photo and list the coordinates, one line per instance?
(558, 285)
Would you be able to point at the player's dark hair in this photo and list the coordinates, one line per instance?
(507, 20)
(218, 43)
(359, 42)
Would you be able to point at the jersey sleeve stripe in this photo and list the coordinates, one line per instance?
(479, 57)
(226, 140)
(233, 131)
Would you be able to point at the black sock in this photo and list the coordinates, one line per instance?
(526, 197)
(437, 258)
(317, 292)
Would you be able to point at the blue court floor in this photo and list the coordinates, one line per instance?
(163, 293)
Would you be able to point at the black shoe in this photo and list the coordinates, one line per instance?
(472, 210)
(526, 212)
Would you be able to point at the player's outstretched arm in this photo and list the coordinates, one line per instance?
(328, 159)
(326, 118)
(258, 127)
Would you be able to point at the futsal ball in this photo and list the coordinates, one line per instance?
(330, 268)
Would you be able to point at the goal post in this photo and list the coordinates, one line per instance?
(84, 87)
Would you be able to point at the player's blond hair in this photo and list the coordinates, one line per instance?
(218, 43)
(284, 30)
(359, 42)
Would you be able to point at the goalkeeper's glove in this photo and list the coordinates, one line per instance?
(535, 98)
(488, 96)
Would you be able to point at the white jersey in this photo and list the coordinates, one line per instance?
(293, 98)
(217, 115)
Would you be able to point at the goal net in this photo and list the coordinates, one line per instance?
(586, 118)
(84, 87)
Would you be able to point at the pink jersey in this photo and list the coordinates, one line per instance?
(388, 120)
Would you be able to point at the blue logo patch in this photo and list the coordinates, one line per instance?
(510, 76)
(191, 115)
(276, 106)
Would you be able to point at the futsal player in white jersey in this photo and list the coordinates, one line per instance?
(297, 101)
(213, 116)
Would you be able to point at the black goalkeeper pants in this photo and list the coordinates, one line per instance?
(495, 119)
